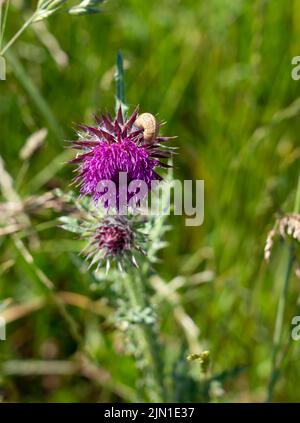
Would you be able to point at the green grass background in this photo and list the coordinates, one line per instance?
(219, 73)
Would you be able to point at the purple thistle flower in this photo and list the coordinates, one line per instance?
(115, 146)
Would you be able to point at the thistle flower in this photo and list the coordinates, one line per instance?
(109, 238)
(115, 146)
(115, 239)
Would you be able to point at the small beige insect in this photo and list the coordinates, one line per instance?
(148, 123)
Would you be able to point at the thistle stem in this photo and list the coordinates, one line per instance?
(144, 334)
(146, 338)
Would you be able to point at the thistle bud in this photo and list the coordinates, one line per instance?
(203, 358)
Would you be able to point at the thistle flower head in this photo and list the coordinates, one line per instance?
(114, 146)
(115, 239)
(109, 238)
(286, 226)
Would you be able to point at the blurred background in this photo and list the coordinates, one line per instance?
(219, 73)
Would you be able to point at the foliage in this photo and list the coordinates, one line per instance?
(219, 73)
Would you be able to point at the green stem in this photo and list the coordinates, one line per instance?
(0, 24)
(18, 34)
(275, 366)
(146, 338)
(3, 23)
(120, 85)
(279, 326)
(297, 201)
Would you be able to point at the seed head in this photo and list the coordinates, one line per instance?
(114, 239)
(286, 226)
